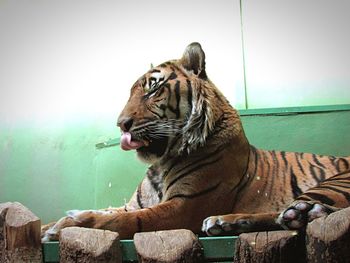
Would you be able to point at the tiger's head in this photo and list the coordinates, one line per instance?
(173, 108)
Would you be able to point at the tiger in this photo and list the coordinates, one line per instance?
(203, 173)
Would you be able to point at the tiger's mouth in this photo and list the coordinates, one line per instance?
(156, 146)
(127, 142)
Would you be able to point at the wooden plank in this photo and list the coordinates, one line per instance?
(328, 238)
(20, 234)
(270, 247)
(89, 245)
(3, 210)
(179, 245)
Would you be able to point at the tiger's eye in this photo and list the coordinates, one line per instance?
(146, 88)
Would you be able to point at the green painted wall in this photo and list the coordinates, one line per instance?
(322, 133)
(54, 168)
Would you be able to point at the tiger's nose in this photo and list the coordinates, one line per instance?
(125, 123)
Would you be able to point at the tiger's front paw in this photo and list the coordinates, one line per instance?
(51, 233)
(81, 218)
(300, 213)
(226, 225)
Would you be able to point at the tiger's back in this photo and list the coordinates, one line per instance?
(275, 178)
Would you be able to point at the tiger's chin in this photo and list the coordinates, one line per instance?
(153, 151)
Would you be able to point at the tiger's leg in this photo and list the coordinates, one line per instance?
(294, 217)
(171, 214)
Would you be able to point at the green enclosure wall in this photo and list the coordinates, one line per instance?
(55, 169)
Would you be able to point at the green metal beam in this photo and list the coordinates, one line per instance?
(295, 110)
(262, 112)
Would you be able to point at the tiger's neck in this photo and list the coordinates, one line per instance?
(228, 130)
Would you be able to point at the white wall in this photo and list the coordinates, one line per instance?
(63, 60)
(66, 59)
(297, 52)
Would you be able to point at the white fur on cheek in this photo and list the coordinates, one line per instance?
(157, 75)
(201, 120)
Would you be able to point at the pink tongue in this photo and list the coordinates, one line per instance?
(127, 144)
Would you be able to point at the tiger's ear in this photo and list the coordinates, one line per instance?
(193, 60)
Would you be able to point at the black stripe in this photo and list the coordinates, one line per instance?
(139, 224)
(158, 100)
(177, 95)
(241, 185)
(189, 98)
(243, 181)
(151, 78)
(333, 161)
(304, 198)
(207, 156)
(344, 162)
(190, 196)
(342, 184)
(139, 196)
(321, 175)
(338, 176)
(253, 150)
(155, 71)
(156, 113)
(160, 92)
(201, 165)
(283, 155)
(175, 68)
(341, 181)
(172, 76)
(316, 161)
(313, 173)
(319, 197)
(294, 184)
(334, 189)
(267, 173)
(274, 171)
(297, 157)
(175, 141)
